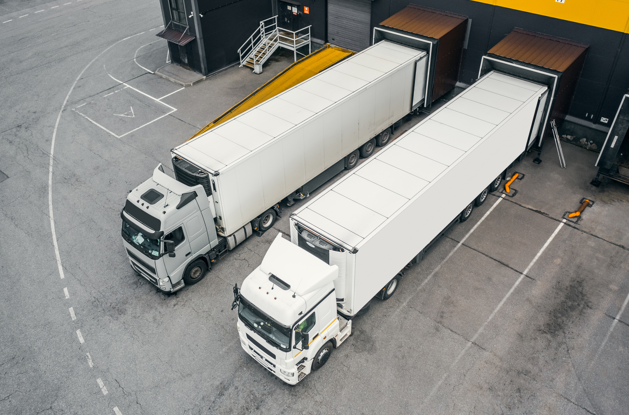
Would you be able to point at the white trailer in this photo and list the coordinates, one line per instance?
(282, 149)
(365, 229)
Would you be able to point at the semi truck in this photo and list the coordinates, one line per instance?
(229, 180)
(352, 242)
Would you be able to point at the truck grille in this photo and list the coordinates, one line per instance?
(191, 175)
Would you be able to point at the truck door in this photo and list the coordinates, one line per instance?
(197, 234)
(175, 265)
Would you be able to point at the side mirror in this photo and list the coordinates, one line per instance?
(305, 339)
(169, 248)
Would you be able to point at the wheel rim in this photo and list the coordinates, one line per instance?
(352, 159)
(497, 181)
(468, 210)
(369, 147)
(195, 273)
(384, 138)
(323, 356)
(267, 220)
(392, 286)
(483, 195)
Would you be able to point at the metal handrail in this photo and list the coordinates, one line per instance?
(259, 35)
(294, 37)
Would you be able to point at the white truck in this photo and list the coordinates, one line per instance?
(230, 180)
(352, 242)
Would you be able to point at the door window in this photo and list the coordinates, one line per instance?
(304, 327)
(177, 236)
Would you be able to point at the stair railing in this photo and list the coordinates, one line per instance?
(266, 28)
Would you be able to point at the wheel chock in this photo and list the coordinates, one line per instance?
(574, 217)
(507, 189)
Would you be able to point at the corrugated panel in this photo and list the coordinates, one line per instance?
(424, 22)
(349, 23)
(535, 49)
(175, 37)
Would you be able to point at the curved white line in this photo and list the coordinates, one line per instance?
(52, 154)
(136, 55)
(50, 168)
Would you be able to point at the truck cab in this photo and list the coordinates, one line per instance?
(287, 315)
(168, 230)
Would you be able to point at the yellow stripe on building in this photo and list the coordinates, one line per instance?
(296, 73)
(606, 14)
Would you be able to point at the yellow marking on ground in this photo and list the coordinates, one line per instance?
(296, 73)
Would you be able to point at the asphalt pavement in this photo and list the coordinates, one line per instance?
(513, 311)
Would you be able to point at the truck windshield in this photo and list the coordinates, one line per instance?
(264, 326)
(148, 246)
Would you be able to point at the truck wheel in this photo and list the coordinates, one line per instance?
(467, 212)
(195, 272)
(383, 138)
(267, 220)
(322, 356)
(495, 185)
(367, 149)
(390, 288)
(351, 160)
(480, 199)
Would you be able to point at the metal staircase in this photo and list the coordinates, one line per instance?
(267, 38)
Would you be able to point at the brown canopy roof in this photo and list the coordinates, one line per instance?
(424, 22)
(539, 50)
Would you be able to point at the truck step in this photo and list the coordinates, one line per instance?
(301, 376)
(301, 367)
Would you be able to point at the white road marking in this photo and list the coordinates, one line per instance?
(7, 21)
(128, 114)
(609, 332)
(54, 7)
(136, 55)
(493, 314)
(80, 336)
(89, 360)
(168, 56)
(432, 274)
(72, 313)
(111, 93)
(65, 291)
(102, 386)
(39, 11)
(65, 4)
(167, 95)
(117, 411)
(82, 105)
(23, 16)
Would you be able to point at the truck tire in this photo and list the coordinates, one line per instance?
(351, 160)
(480, 199)
(195, 272)
(267, 220)
(322, 356)
(467, 212)
(383, 138)
(368, 148)
(495, 185)
(389, 289)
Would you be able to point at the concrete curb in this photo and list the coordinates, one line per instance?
(179, 75)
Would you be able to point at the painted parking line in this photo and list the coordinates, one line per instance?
(8, 21)
(609, 332)
(23, 16)
(66, 293)
(38, 11)
(117, 411)
(167, 95)
(80, 336)
(492, 315)
(432, 274)
(89, 360)
(102, 386)
(54, 7)
(71, 309)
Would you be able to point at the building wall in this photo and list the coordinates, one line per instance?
(226, 25)
(605, 76)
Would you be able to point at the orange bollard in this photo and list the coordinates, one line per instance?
(510, 182)
(580, 210)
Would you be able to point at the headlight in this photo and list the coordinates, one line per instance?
(163, 281)
(285, 373)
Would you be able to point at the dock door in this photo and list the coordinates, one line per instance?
(349, 23)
